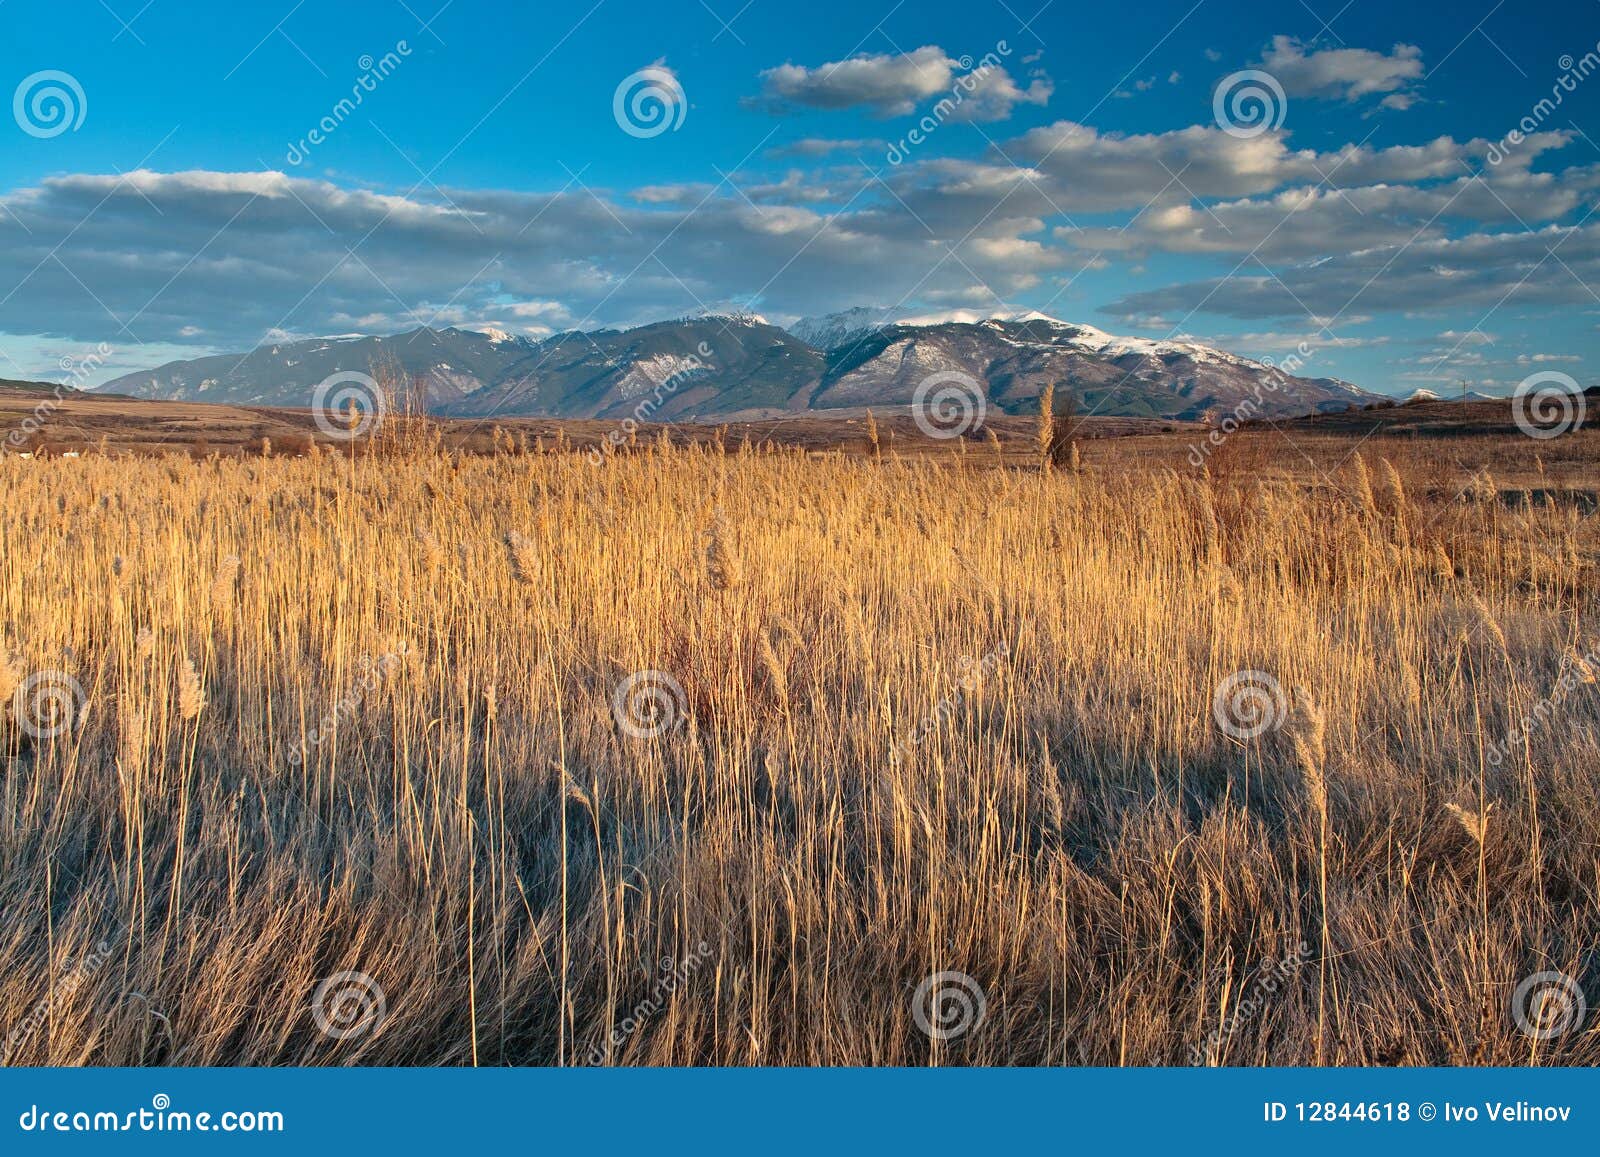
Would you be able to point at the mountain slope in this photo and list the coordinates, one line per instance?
(1129, 377)
(721, 367)
(446, 365)
(673, 369)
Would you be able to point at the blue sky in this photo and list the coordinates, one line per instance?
(1379, 223)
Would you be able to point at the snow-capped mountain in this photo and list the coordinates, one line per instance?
(436, 367)
(1427, 395)
(718, 366)
(1016, 356)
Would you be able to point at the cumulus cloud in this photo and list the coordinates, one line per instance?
(1094, 170)
(1310, 220)
(897, 84)
(225, 259)
(1344, 73)
(146, 257)
(1481, 271)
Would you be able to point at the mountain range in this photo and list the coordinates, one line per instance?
(740, 366)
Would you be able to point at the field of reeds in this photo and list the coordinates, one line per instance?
(702, 756)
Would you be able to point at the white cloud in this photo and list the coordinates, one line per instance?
(243, 255)
(1342, 73)
(897, 84)
(1482, 271)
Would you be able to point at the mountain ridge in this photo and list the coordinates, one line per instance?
(730, 366)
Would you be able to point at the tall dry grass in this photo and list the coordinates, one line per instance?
(358, 715)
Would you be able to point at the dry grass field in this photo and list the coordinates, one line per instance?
(906, 716)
